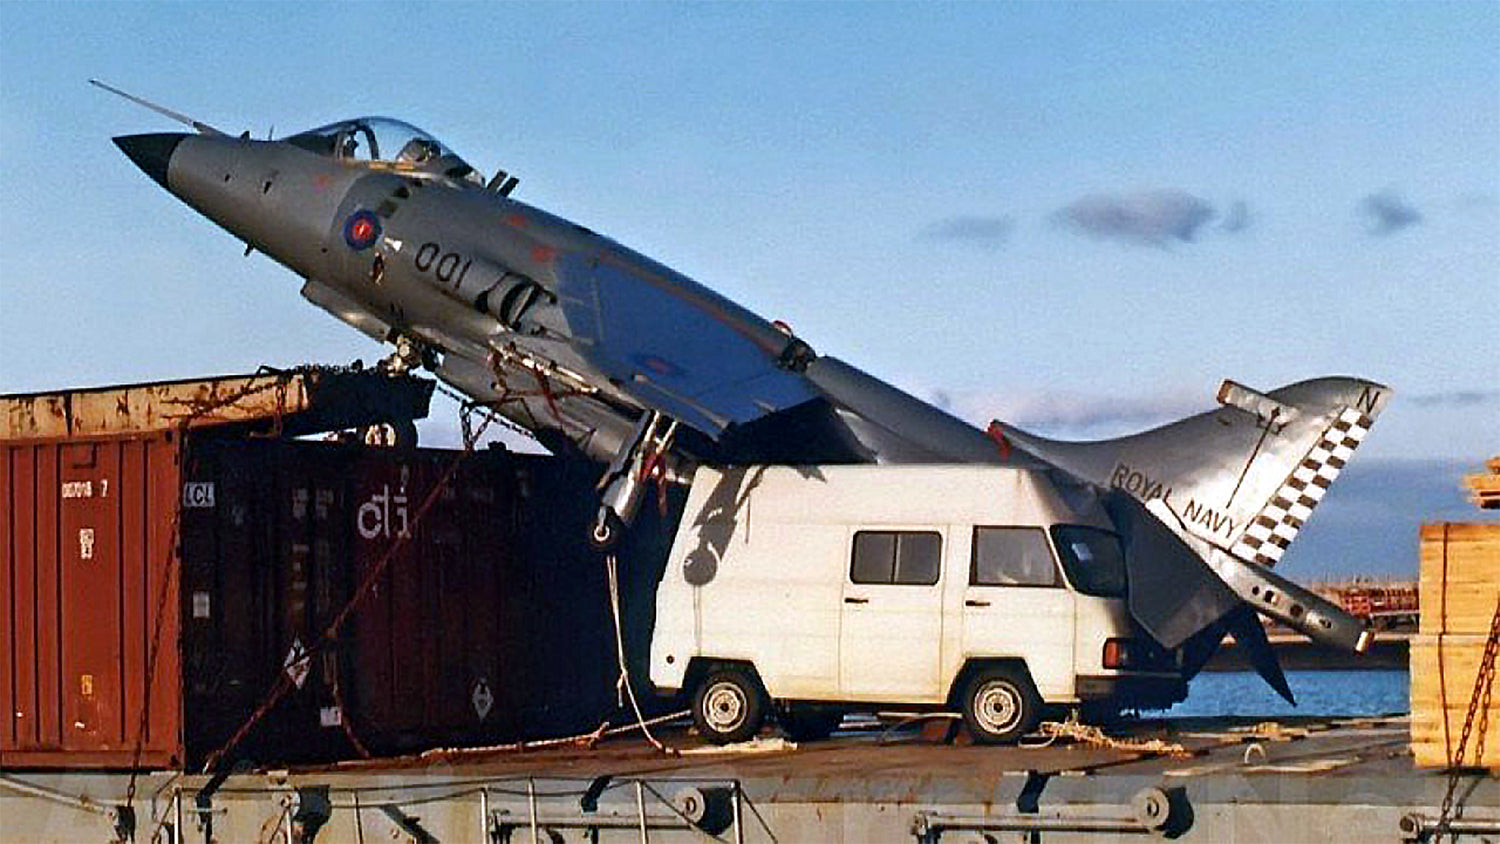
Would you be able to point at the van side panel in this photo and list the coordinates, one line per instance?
(777, 605)
(738, 586)
(890, 635)
(1034, 624)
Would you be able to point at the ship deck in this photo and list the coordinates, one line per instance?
(1292, 779)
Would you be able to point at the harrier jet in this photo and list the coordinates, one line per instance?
(602, 351)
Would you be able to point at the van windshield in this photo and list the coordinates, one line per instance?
(1093, 559)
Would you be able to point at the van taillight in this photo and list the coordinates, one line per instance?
(1117, 653)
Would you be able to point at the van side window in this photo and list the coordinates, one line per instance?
(905, 557)
(1012, 556)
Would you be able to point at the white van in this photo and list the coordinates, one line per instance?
(814, 590)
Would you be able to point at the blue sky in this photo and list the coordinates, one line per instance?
(1078, 217)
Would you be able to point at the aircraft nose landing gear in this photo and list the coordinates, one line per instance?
(642, 459)
(606, 529)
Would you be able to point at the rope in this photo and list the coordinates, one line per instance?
(624, 681)
(270, 834)
(284, 682)
(1094, 736)
(466, 407)
(151, 655)
(585, 740)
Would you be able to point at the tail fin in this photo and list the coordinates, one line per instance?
(1237, 483)
(1266, 537)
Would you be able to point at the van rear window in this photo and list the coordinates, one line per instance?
(1093, 559)
(904, 557)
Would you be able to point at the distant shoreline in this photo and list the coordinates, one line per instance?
(1297, 653)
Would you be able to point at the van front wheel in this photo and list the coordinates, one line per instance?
(1000, 705)
(728, 706)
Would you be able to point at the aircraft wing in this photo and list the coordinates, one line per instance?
(675, 346)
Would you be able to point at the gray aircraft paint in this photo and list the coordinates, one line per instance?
(570, 334)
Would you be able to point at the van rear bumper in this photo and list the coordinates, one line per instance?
(1133, 691)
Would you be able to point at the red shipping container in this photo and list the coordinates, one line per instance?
(86, 537)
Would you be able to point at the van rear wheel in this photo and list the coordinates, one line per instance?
(728, 706)
(1000, 705)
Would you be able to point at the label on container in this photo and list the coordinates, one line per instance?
(331, 716)
(297, 663)
(200, 605)
(482, 698)
(198, 494)
(86, 543)
(78, 489)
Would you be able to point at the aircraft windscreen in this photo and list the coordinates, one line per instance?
(382, 140)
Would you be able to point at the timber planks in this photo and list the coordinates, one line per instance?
(1460, 593)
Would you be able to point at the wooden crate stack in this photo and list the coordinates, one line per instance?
(1459, 590)
(1484, 487)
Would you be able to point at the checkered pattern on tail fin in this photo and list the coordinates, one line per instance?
(1274, 527)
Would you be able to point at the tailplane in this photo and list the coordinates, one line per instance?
(1236, 484)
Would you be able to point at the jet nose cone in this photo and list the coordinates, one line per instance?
(151, 152)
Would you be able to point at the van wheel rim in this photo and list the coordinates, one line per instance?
(723, 707)
(997, 707)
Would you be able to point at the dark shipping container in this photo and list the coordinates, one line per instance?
(490, 623)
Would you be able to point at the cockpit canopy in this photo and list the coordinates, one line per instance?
(382, 141)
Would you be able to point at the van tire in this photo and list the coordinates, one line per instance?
(1000, 705)
(728, 706)
(808, 724)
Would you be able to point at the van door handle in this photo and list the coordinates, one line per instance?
(976, 603)
(856, 600)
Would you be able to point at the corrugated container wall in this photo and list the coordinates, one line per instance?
(491, 622)
(86, 533)
(278, 536)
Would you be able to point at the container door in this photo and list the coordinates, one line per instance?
(90, 570)
(84, 549)
(891, 617)
(1016, 605)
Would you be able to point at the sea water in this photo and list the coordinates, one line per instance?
(1244, 693)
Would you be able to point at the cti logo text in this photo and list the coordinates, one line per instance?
(384, 514)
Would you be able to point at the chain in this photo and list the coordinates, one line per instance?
(151, 655)
(195, 409)
(1479, 701)
(466, 407)
(366, 586)
(344, 720)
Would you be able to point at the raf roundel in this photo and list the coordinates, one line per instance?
(361, 230)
